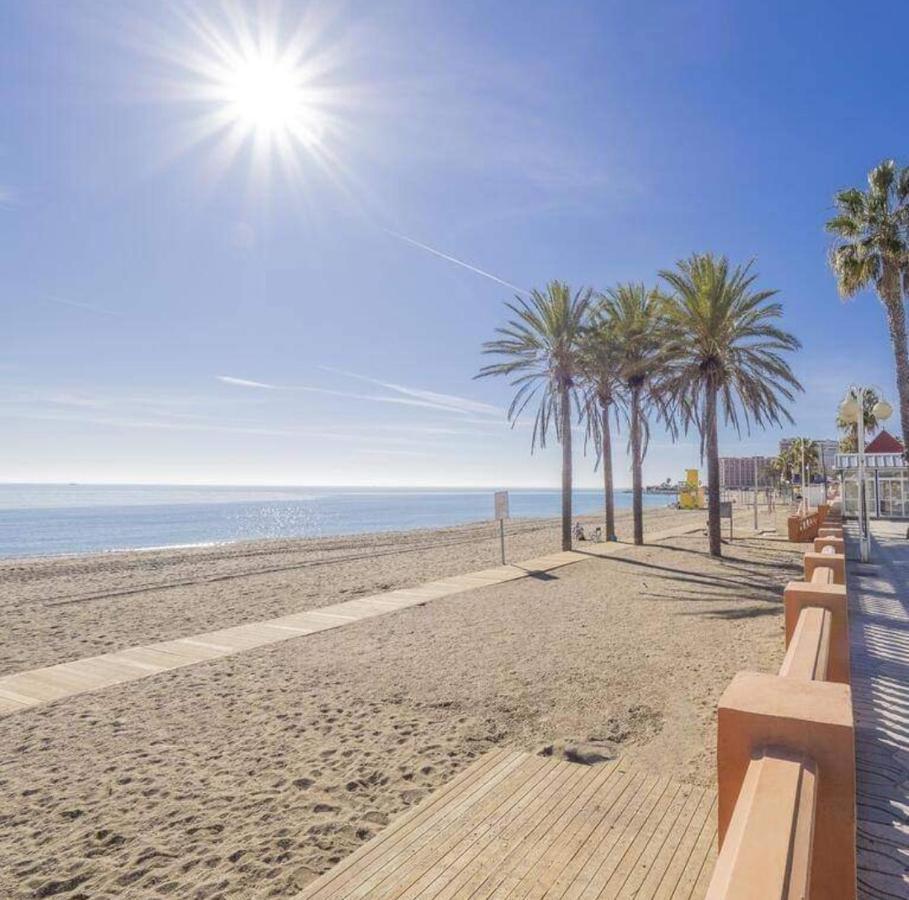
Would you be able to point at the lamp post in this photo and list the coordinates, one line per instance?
(755, 493)
(852, 409)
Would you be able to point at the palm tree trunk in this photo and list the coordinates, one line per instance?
(896, 321)
(608, 493)
(713, 474)
(566, 467)
(637, 497)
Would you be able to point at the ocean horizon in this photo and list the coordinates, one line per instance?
(64, 519)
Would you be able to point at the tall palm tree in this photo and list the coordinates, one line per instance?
(804, 455)
(603, 398)
(634, 314)
(849, 441)
(539, 348)
(728, 356)
(779, 466)
(872, 250)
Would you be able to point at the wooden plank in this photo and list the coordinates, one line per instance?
(526, 882)
(10, 701)
(702, 856)
(479, 846)
(445, 832)
(39, 686)
(479, 871)
(592, 876)
(639, 861)
(572, 878)
(519, 826)
(703, 819)
(645, 818)
(661, 880)
(480, 777)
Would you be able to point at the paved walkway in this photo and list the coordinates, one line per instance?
(879, 626)
(518, 825)
(27, 689)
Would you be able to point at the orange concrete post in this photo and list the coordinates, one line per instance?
(768, 846)
(760, 712)
(834, 561)
(793, 526)
(830, 531)
(801, 594)
(808, 655)
(838, 544)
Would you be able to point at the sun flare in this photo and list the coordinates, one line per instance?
(261, 89)
(268, 98)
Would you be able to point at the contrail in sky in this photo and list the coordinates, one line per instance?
(75, 304)
(455, 260)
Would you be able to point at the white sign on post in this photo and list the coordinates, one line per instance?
(502, 515)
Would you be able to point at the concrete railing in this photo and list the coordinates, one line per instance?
(767, 851)
(786, 756)
(805, 528)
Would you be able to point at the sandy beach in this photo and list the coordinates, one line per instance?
(250, 775)
(64, 608)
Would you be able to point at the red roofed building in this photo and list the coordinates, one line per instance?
(885, 442)
(886, 478)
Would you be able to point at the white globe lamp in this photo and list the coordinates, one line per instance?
(882, 410)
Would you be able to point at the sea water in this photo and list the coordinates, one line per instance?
(42, 520)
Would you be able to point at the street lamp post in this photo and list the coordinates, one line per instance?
(852, 409)
(755, 493)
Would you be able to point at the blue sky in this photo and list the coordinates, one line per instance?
(176, 313)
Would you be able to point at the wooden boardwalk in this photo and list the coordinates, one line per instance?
(23, 690)
(879, 645)
(522, 826)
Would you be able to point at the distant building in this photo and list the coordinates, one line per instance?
(826, 452)
(886, 479)
(738, 472)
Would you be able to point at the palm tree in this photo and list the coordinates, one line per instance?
(727, 356)
(779, 466)
(603, 397)
(635, 317)
(804, 457)
(539, 348)
(849, 441)
(872, 228)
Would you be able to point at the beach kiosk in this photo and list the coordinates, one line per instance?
(886, 479)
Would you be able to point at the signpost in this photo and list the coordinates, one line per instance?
(726, 513)
(501, 502)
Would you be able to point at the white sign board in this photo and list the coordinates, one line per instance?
(501, 505)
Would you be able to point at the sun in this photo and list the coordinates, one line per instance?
(267, 97)
(250, 86)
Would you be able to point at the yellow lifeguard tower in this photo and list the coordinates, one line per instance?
(691, 491)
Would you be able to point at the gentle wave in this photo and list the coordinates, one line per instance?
(53, 520)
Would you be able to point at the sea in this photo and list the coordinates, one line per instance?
(58, 519)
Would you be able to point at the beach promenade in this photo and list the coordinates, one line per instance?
(879, 608)
(518, 826)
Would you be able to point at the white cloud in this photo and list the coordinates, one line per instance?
(245, 382)
(447, 403)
